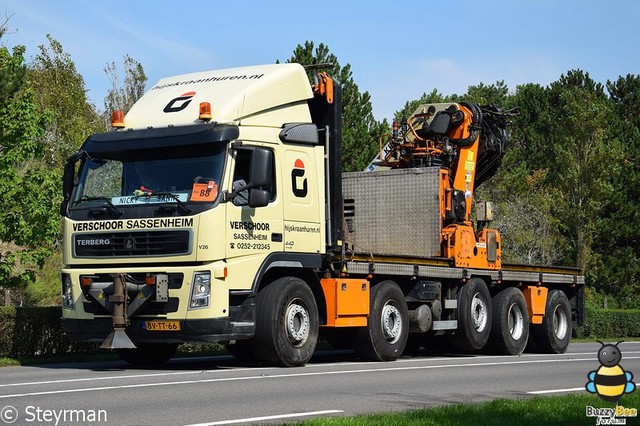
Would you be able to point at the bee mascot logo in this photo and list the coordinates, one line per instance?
(610, 381)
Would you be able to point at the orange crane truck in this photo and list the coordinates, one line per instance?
(217, 211)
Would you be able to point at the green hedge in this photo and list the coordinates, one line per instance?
(610, 324)
(28, 332)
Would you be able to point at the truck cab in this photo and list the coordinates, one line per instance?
(187, 210)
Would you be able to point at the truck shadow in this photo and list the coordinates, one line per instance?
(224, 362)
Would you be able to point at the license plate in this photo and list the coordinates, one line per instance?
(167, 325)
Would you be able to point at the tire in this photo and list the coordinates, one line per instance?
(286, 323)
(148, 354)
(553, 335)
(474, 316)
(385, 336)
(510, 328)
(241, 350)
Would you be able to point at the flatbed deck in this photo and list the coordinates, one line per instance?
(442, 268)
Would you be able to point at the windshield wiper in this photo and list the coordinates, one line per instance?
(180, 203)
(108, 206)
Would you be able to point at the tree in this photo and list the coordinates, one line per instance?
(625, 95)
(584, 159)
(360, 130)
(122, 97)
(60, 95)
(60, 92)
(531, 233)
(28, 194)
(618, 248)
(491, 94)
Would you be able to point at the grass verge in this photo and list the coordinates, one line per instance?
(559, 410)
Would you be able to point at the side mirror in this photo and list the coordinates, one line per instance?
(68, 179)
(258, 197)
(257, 183)
(261, 168)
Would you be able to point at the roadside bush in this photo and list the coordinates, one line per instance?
(7, 321)
(35, 331)
(610, 324)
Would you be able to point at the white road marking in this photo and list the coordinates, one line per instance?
(91, 379)
(265, 418)
(292, 375)
(545, 392)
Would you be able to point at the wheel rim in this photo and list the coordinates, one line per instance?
(391, 323)
(479, 313)
(298, 323)
(515, 321)
(560, 322)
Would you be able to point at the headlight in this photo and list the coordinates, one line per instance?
(67, 292)
(201, 290)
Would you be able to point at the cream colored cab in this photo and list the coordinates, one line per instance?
(252, 233)
(304, 195)
(292, 221)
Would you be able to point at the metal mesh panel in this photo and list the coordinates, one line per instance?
(393, 212)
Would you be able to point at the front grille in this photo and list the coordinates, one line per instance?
(132, 244)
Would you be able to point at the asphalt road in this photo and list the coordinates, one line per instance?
(221, 390)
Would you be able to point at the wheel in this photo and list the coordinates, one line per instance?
(148, 354)
(385, 336)
(474, 316)
(553, 335)
(241, 350)
(510, 329)
(286, 323)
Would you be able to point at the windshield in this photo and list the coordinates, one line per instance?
(149, 180)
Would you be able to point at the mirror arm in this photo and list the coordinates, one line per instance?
(226, 196)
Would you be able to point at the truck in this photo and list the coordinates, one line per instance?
(216, 210)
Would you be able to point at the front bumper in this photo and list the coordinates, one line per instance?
(209, 330)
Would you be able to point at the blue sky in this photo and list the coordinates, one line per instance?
(397, 49)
